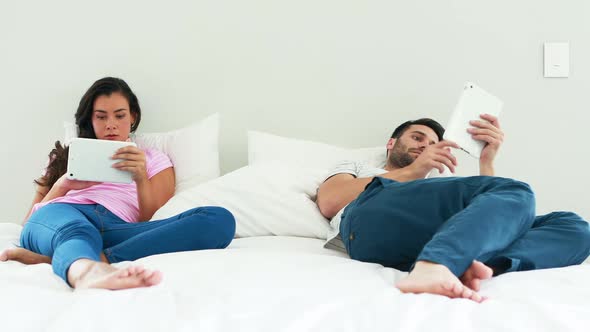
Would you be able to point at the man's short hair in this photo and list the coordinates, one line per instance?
(435, 126)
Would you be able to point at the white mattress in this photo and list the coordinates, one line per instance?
(285, 284)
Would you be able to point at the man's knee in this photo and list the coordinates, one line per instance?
(563, 218)
(520, 196)
(523, 190)
(578, 229)
(582, 228)
(580, 233)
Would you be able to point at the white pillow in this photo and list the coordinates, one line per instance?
(194, 150)
(264, 147)
(266, 199)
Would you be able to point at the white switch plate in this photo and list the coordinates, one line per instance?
(557, 59)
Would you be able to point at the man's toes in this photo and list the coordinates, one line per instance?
(137, 270)
(124, 273)
(155, 278)
(468, 275)
(4, 255)
(131, 270)
(145, 274)
(467, 293)
(483, 271)
(455, 289)
(476, 297)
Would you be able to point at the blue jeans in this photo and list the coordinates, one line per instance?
(68, 232)
(452, 221)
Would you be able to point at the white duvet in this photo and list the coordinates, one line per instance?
(280, 283)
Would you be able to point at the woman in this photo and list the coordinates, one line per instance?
(81, 226)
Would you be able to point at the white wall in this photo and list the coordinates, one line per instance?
(344, 72)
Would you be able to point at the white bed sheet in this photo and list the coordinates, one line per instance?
(285, 284)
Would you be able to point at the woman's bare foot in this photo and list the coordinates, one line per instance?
(85, 273)
(28, 257)
(24, 256)
(477, 272)
(428, 277)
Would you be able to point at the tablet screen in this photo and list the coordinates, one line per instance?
(473, 102)
(90, 160)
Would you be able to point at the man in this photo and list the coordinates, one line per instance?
(449, 232)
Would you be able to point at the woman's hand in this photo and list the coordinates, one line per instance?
(132, 160)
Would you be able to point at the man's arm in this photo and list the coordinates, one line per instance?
(341, 189)
(338, 191)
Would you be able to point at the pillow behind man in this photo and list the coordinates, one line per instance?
(271, 198)
(275, 194)
(264, 147)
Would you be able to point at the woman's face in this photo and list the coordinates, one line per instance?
(111, 117)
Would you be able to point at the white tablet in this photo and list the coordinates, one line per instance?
(472, 102)
(90, 160)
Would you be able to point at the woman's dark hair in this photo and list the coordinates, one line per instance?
(435, 126)
(58, 157)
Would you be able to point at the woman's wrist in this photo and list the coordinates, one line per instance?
(142, 180)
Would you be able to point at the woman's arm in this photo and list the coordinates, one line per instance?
(40, 194)
(60, 188)
(153, 193)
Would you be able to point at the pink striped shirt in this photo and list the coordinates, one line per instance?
(119, 198)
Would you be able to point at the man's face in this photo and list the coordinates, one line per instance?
(404, 150)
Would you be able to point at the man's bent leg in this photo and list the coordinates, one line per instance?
(556, 239)
(388, 224)
(391, 222)
(500, 212)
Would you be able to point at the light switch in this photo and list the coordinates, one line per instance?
(557, 59)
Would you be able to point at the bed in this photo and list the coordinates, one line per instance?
(276, 275)
(281, 283)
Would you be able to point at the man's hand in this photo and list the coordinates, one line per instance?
(434, 156)
(493, 136)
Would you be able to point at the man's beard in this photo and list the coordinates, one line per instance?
(399, 156)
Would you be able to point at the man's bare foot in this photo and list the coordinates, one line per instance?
(28, 257)
(24, 256)
(477, 272)
(428, 277)
(85, 273)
